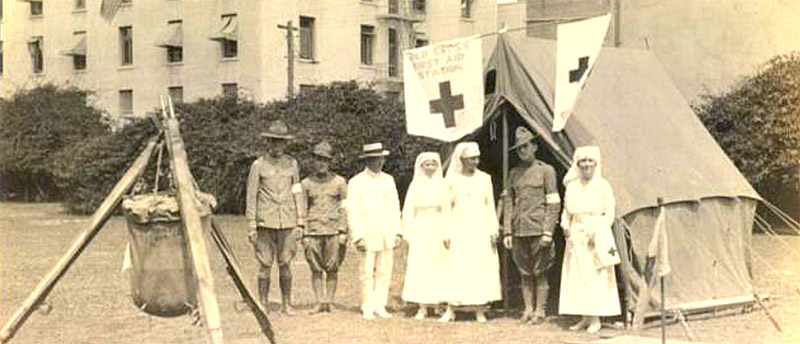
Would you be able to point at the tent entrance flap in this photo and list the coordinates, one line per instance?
(490, 139)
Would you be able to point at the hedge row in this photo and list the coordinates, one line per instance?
(221, 139)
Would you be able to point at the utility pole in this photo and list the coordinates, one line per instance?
(290, 29)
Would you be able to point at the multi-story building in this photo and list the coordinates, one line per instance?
(192, 49)
(541, 16)
(704, 45)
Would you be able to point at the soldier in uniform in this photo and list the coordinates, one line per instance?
(325, 236)
(274, 212)
(534, 211)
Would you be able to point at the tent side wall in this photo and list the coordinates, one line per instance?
(708, 245)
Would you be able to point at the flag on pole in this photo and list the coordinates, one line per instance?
(657, 263)
(443, 86)
(109, 8)
(577, 48)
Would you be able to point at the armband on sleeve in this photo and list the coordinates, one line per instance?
(296, 188)
(552, 198)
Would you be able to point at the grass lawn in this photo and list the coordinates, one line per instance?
(92, 303)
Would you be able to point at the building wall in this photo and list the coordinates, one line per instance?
(512, 13)
(705, 45)
(201, 73)
(708, 45)
(260, 69)
(444, 22)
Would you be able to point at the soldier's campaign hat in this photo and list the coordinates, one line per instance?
(277, 130)
(523, 136)
(324, 150)
(373, 150)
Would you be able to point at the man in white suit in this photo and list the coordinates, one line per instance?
(373, 213)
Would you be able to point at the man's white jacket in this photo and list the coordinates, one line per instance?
(373, 209)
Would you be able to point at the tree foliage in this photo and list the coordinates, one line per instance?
(221, 137)
(35, 125)
(757, 122)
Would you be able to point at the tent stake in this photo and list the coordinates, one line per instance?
(766, 311)
(685, 325)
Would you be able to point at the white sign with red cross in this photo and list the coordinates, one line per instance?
(443, 86)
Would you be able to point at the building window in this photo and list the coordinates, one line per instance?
(393, 7)
(419, 6)
(126, 102)
(78, 50)
(126, 45)
(230, 90)
(80, 5)
(176, 94)
(367, 44)
(36, 7)
(466, 8)
(420, 42)
(307, 38)
(226, 35)
(393, 68)
(174, 54)
(36, 49)
(230, 49)
(172, 41)
(79, 62)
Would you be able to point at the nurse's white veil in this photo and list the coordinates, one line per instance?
(462, 150)
(584, 152)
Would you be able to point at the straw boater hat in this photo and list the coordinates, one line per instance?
(523, 136)
(373, 150)
(277, 130)
(324, 150)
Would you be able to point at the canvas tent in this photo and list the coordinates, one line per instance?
(653, 145)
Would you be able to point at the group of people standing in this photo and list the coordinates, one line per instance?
(450, 223)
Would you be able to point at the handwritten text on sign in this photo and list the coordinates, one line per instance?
(439, 62)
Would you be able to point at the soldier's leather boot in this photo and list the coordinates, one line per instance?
(263, 292)
(285, 281)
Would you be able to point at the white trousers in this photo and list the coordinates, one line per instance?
(375, 276)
